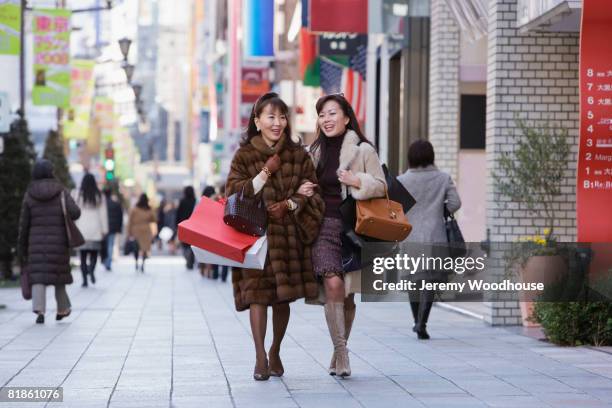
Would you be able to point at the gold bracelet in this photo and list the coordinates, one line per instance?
(267, 171)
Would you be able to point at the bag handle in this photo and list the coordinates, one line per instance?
(63, 201)
(241, 196)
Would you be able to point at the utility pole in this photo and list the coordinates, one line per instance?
(24, 4)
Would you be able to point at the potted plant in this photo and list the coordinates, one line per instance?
(532, 176)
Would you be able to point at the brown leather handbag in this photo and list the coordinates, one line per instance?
(246, 214)
(382, 218)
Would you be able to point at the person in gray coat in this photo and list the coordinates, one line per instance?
(432, 189)
(43, 243)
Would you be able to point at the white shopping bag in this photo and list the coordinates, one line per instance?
(166, 234)
(255, 257)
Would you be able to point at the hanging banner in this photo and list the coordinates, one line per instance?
(10, 26)
(254, 83)
(594, 189)
(324, 14)
(104, 118)
(51, 29)
(258, 35)
(77, 116)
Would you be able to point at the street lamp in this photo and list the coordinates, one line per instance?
(137, 91)
(129, 71)
(124, 46)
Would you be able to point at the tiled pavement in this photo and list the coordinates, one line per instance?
(169, 338)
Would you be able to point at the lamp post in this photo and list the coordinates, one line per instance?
(124, 46)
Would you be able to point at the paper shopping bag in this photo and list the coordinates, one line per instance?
(255, 258)
(206, 230)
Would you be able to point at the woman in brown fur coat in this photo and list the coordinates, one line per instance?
(272, 165)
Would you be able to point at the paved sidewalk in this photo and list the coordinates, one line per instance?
(169, 338)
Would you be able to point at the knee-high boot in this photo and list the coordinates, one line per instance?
(349, 317)
(334, 315)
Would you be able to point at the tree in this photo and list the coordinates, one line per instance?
(54, 152)
(15, 172)
(534, 172)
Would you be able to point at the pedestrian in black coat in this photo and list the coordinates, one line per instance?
(43, 243)
(185, 209)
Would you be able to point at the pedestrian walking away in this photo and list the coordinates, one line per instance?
(432, 190)
(184, 211)
(270, 164)
(93, 224)
(43, 242)
(115, 225)
(140, 227)
(345, 162)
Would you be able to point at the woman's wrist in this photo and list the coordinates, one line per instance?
(266, 172)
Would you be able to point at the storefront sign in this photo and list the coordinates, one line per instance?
(594, 189)
(325, 16)
(51, 29)
(10, 26)
(341, 43)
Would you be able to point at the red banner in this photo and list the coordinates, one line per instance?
(339, 16)
(594, 178)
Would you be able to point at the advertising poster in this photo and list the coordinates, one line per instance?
(78, 115)
(51, 28)
(10, 24)
(104, 118)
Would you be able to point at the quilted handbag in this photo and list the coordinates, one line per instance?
(246, 214)
(382, 218)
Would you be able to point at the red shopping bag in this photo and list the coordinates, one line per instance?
(205, 229)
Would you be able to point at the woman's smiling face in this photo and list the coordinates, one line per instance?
(332, 120)
(272, 123)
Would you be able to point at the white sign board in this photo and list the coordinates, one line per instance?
(5, 113)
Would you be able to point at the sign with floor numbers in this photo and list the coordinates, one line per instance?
(594, 175)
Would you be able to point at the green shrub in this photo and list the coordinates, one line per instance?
(576, 323)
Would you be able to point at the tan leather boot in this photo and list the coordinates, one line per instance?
(349, 317)
(334, 314)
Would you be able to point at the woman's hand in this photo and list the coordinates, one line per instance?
(278, 210)
(348, 178)
(273, 163)
(307, 189)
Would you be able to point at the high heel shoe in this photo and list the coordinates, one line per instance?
(276, 366)
(40, 319)
(261, 373)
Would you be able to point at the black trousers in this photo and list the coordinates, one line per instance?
(88, 268)
(421, 302)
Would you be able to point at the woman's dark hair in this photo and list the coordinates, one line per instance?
(43, 169)
(189, 193)
(270, 98)
(143, 202)
(209, 191)
(90, 191)
(420, 154)
(353, 125)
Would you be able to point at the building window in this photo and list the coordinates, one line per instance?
(473, 121)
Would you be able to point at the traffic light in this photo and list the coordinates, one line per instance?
(109, 163)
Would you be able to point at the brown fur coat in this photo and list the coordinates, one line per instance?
(287, 275)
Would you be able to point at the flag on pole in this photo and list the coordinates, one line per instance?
(347, 76)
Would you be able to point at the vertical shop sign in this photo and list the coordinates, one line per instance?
(76, 123)
(594, 178)
(10, 25)
(51, 29)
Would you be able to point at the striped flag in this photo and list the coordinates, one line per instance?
(337, 77)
